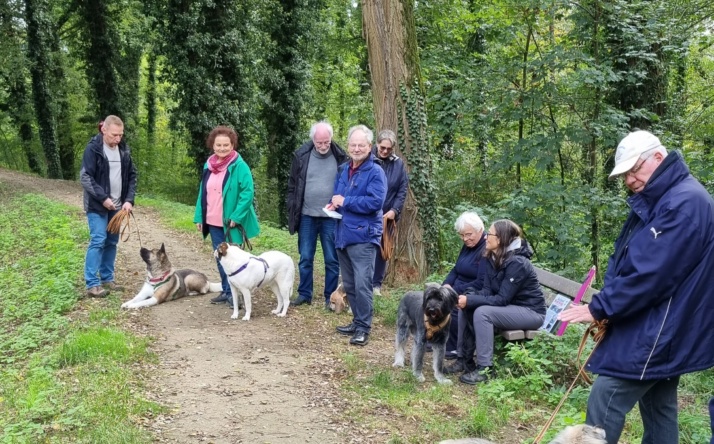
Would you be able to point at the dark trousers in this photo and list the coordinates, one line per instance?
(357, 265)
(612, 398)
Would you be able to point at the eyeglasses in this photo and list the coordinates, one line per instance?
(635, 169)
(384, 148)
(467, 235)
(358, 145)
(492, 234)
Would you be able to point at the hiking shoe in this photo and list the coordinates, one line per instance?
(112, 286)
(97, 292)
(377, 291)
(455, 367)
(299, 301)
(481, 374)
(453, 354)
(221, 298)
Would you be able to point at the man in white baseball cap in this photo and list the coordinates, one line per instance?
(657, 297)
(638, 156)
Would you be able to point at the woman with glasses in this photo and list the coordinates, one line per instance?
(510, 298)
(397, 183)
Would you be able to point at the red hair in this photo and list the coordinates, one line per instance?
(222, 131)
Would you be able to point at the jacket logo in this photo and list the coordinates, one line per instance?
(511, 279)
(655, 232)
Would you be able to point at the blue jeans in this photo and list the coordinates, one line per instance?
(612, 398)
(218, 235)
(101, 251)
(310, 229)
(357, 265)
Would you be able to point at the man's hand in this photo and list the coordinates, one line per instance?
(108, 204)
(390, 214)
(337, 201)
(127, 206)
(462, 302)
(576, 313)
(199, 227)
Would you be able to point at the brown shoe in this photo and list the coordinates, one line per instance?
(97, 292)
(112, 286)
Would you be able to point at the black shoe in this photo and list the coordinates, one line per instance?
(360, 338)
(455, 367)
(428, 348)
(221, 298)
(299, 301)
(229, 301)
(451, 355)
(327, 305)
(481, 374)
(347, 330)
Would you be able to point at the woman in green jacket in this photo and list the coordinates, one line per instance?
(225, 198)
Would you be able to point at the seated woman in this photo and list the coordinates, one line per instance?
(510, 298)
(466, 269)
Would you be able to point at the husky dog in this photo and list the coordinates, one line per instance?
(246, 273)
(579, 434)
(426, 315)
(338, 300)
(163, 283)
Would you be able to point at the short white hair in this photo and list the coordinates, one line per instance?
(469, 218)
(367, 133)
(321, 124)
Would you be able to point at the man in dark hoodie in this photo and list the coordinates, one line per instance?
(312, 177)
(108, 177)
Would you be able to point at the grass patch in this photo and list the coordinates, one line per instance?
(61, 380)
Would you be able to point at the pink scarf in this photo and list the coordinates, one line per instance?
(216, 165)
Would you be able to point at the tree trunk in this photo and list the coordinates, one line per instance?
(398, 101)
(38, 53)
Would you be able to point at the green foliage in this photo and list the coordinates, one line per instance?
(60, 381)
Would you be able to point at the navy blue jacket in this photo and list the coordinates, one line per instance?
(362, 209)
(94, 175)
(397, 182)
(468, 271)
(658, 294)
(297, 178)
(515, 283)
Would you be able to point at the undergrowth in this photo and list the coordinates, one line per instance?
(67, 368)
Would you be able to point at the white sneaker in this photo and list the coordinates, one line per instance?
(377, 291)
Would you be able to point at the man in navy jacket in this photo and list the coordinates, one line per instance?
(108, 177)
(658, 295)
(360, 189)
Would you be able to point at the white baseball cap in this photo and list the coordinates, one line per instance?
(631, 148)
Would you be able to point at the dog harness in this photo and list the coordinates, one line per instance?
(244, 266)
(433, 329)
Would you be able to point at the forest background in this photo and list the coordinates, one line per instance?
(510, 107)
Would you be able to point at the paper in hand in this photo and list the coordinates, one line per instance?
(331, 213)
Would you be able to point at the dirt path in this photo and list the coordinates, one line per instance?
(268, 380)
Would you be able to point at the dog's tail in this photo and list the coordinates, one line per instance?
(215, 287)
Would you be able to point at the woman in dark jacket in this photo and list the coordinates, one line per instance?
(510, 298)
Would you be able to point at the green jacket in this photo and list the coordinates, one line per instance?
(237, 201)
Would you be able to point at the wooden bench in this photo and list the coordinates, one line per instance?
(553, 285)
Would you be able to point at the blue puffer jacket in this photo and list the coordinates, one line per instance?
(658, 295)
(361, 211)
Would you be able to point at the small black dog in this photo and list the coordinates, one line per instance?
(427, 315)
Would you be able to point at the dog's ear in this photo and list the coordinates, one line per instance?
(162, 249)
(426, 294)
(222, 249)
(449, 294)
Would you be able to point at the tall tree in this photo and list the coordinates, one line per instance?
(205, 46)
(398, 99)
(39, 29)
(285, 86)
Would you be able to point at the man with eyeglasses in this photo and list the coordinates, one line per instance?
(312, 177)
(658, 294)
(359, 192)
(108, 178)
(397, 183)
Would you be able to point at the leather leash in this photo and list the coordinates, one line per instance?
(386, 245)
(596, 329)
(124, 217)
(246, 242)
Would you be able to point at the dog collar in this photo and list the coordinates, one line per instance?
(160, 280)
(244, 266)
(432, 329)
